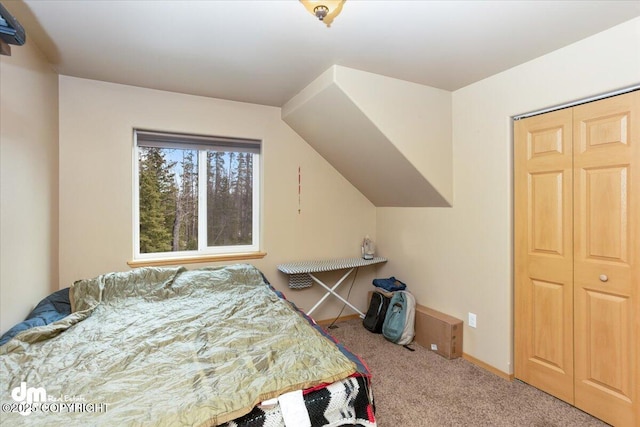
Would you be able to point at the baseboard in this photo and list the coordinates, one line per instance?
(487, 367)
(465, 356)
(340, 319)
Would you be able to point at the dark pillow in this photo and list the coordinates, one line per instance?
(52, 308)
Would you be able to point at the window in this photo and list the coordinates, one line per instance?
(195, 195)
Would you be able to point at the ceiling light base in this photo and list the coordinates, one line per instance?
(324, 10)
(321, 11)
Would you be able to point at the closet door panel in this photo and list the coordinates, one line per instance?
(607, 258)
(548, 306)
(607, 340)
(546, 215)
(543, 251)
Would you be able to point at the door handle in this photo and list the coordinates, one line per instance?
(604, 278)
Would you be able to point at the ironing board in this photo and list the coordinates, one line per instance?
(301, 275)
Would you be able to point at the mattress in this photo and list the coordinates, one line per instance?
(332, 397)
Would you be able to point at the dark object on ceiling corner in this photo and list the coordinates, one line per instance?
(11, 32)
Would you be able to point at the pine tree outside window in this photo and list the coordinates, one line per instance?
(195, 195)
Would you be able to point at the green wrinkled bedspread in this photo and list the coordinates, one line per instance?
(163, 346)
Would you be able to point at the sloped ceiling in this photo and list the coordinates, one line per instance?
(390, 138)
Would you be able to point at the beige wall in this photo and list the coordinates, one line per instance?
(96, 122)
(459, 259)
(28, 182)
(414, 117)
(392, 143)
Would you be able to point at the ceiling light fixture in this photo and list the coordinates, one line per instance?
(324, 10)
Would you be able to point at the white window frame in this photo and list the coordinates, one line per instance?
(202, 143)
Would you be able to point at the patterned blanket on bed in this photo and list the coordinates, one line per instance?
(166, 347)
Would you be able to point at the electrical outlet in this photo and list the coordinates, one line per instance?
(472, 320)
(434, 347)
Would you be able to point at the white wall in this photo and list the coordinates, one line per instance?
(459, 259)
(28, 182)
(96, 192)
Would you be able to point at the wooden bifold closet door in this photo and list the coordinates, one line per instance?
(577, 256)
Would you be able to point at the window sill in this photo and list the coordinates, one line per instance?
(157, 262)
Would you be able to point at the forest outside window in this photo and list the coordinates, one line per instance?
(195, 195)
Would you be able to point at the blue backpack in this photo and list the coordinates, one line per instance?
(399, 323)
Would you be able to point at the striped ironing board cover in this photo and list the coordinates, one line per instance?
(298, 271)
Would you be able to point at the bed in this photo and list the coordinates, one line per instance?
(170, 346)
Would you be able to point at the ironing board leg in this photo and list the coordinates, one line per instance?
(331, 291)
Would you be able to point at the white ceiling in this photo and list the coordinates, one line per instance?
(265, 52)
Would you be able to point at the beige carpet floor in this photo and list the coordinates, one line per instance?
(421, 388)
